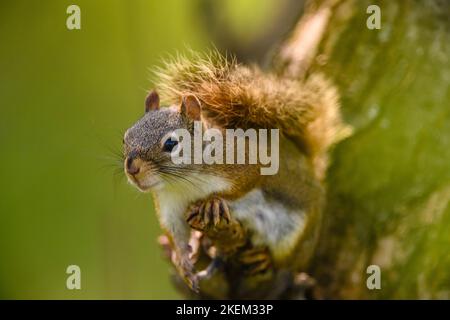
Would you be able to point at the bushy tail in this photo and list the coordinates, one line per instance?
(236, 96)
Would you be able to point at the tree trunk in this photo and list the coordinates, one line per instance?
(389, 183)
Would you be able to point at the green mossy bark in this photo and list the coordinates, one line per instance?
(389, 183)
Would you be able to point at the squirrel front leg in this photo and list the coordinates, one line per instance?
(213, 218)
(179, 233)
(207, 215)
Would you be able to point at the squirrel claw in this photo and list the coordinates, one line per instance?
(185, 267)
(208, 214)
(193, 283)
(186, 270)
(256, 260)
(212, 268)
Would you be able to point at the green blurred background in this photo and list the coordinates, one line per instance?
(66, 98)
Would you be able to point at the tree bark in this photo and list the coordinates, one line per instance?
(389, 183)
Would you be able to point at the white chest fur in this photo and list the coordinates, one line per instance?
(272, 223)
(175, 198)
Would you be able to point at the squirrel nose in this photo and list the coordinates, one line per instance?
(130, 166)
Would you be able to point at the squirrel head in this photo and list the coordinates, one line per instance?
(149, 142)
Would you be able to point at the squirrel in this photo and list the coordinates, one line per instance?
(281, 212)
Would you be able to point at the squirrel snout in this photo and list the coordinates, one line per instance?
(131, 166)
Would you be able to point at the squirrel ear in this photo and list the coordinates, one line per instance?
(152, 101)
(190, 107)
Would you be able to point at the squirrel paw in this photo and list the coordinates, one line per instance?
(209, 214)
(256, 260)
(186, 271)
(212, 268)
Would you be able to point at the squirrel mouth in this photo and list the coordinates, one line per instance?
(142, 187)
(148, 187)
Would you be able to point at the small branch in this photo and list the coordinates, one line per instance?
(296, 55)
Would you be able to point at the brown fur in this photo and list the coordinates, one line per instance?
(236, 96)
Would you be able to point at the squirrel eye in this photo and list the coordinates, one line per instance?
(169, 144)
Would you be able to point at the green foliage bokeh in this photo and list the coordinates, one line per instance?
(66, 98)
